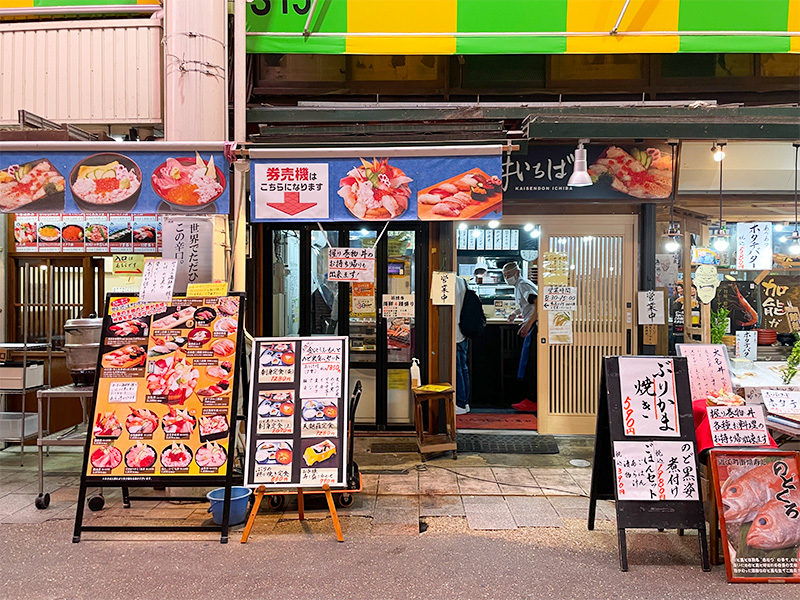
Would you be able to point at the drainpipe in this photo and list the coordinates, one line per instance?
(238, 253)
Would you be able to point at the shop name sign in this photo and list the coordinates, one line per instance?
(377, 184)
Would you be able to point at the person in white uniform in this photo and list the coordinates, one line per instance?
(525, 294)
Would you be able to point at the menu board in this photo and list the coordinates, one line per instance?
(708, 368)
(167, 377)
(297, 427)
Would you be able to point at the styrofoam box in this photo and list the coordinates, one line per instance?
(11, 376)
(11, 425)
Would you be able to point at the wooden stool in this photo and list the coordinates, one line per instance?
(432, 440)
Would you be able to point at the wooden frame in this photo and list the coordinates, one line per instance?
(783, 494)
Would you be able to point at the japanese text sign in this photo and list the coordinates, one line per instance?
(555, 268)
(190, 241)
(158, 280)
(655, 470)
(708, 368)
(747, 345)
(559, 298)
(351, 264)
(651, 307)
(737, 425)
(398, 305)
(283, 190)
(443, 288)
(127, 264)
(781, 401)
(649, 398)
(754, 246)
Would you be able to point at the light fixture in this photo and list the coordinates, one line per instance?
(778, 227)
(462, 226)
(783, 239)
(494, 224)
(364, 232)
(535, 233)
(528, 226)
(721, 242)
(672, 239)
(476, 233)
(795, 247)
(580, 175)
(719, 150)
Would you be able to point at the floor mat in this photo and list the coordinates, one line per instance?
(488, 443)
(477, 420)
(393, 447)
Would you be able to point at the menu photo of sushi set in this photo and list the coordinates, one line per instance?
(298, 422)
(163, 402)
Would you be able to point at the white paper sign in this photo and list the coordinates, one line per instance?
(559, 327)
(158, 280)
(782, 402)
(708, 368)
(122, 391)
(190, 241)
(443, 288)
(655, 471)
(667, 269)
(649, 398)
(321, 369)
(559, 297)
(651, 307)
(351, 264)
(737, 425)
(747, 345)
(290, 191)
(398, 305)
(754, 246)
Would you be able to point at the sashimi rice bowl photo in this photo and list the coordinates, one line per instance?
(106, 182)
(188, 183)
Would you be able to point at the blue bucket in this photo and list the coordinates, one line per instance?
(239, 498)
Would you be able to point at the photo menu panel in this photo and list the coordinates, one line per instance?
(297, 427)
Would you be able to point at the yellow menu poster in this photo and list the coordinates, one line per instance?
(165, 388)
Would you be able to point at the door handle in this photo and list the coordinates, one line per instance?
(628, 341)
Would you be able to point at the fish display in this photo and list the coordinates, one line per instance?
(375, 190)
(187, 181)
(742, 496)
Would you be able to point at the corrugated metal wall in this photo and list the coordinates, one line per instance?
(83, 72)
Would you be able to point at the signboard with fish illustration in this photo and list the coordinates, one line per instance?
(111, 177)
(758, 498)
(377, 184)
(645, 454)
(297, 427)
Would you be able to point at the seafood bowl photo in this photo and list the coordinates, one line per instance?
(176, 456)
(141, 421)
(72, 233)
(188, 184)
(140, 456)
(178, 422)
(49, 233)
(37, 186)
(106, 457)
(96, 233)
(175, 379)
(213, 428)
(274, 453)
(637, 173)
(106, 182)
(107, 425)
(375, 191)
(210, 454)
(24, 233)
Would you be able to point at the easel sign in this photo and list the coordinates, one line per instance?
(298, 421)
(644, 456)
(164, 410)
(759, 514)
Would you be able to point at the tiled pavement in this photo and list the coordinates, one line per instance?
(489, 498)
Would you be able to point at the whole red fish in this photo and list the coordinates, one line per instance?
(772, 528)
(744, 495)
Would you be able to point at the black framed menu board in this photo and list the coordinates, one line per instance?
(297, 426)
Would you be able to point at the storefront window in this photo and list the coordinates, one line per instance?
(400, 330)
(324, 294)
(286, 283)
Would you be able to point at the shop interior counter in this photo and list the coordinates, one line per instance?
(749, 378)
(494, 363)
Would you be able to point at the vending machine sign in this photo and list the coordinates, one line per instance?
(297, 429)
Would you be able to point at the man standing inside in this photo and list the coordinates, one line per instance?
(525, 294)
(462, 347)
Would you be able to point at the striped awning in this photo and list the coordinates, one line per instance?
(522, 26)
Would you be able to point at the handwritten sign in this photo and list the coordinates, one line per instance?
(655, 470)
(737, 425)
(398, 305)
(555, 268)
(351, 264)
(781, 402)
(122, 391)
(747, 345)
(127, 264)
(321, 369)
(443, 288)
(651, 307)
(649, 399)
(708, 368)
(158, 280)
(207, 290)
(559, 297)
(754, 246)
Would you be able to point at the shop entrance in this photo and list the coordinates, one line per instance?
(299, 300)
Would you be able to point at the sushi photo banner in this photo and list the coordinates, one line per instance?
(443, 183)
(645, 448)
(297, 426)
(109, 177)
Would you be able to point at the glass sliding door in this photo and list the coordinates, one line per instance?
(285, 282)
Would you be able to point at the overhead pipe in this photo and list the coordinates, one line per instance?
(535, 34)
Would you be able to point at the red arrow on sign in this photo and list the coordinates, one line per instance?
(291, 204)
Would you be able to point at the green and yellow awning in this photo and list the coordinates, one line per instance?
(522, 26)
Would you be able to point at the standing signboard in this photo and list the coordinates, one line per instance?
(644, 456)
(297, 426)
(164, 399)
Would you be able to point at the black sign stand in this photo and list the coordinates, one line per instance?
(633, 514)
(126, 482)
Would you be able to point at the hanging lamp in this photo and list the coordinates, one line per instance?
(721, 238)
(580, 174)
(672, 239)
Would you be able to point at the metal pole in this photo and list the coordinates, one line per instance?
(306, 31)
(615, 29)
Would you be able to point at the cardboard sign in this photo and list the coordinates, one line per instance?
(351, 264)
(649, 398)
(560, 298)
(737, 425)
(158, 280)
(747, 345)
(709, 370)
(754, 246)
(127, 264)
(759, 514)
(656, 470)
(205, 290)
(651, 307)
(443, 288)
(297, 430)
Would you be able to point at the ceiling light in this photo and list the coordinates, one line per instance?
(721, 243)
(535, 233)
(494, 224)
(719, 151)
(580, 175)
(476, 233)
(364, 232)
(528, 226)
(795, 247)
(783, 239)
(778, 227)
(462, 226)
(672, 244)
